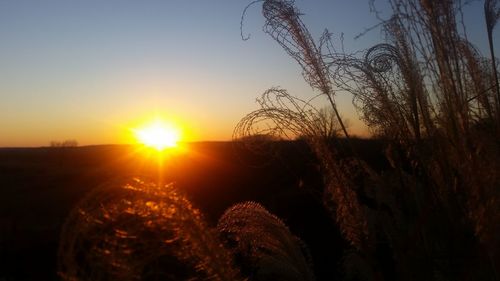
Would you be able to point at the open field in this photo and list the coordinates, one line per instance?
(419, 200)
(39, 186)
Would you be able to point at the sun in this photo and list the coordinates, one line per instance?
(158, 135)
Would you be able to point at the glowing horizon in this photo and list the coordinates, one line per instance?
(86, 70)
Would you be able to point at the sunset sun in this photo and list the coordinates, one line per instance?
(158, 135)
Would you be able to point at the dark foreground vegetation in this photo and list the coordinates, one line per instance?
(41, 186)
(423, 203)
(435, 100)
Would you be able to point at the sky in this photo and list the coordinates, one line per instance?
(90, 70)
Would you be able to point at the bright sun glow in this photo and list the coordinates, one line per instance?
(158, 135)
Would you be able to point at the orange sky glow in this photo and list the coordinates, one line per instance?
(91, 70)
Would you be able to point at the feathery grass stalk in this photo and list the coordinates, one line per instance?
(284, 25)
(417, 91)
(136, 230)
(284, 116)
(263, 244)
(491, 15)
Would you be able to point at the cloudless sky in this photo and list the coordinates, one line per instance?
(89, 70)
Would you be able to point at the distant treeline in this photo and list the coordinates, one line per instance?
(66, 143)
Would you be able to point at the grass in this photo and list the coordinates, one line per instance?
(138, 230)
(44, 187)
(431, 213)
(433, 100)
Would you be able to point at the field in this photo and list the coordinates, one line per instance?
(39, 186)
(419, 200)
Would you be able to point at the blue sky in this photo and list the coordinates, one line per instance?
(87, 70)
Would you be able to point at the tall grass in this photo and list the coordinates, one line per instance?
(137, 230)
(430, 94)
(134, 229)
(491, 15)
(263, 245)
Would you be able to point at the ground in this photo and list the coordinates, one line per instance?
(39, 186)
